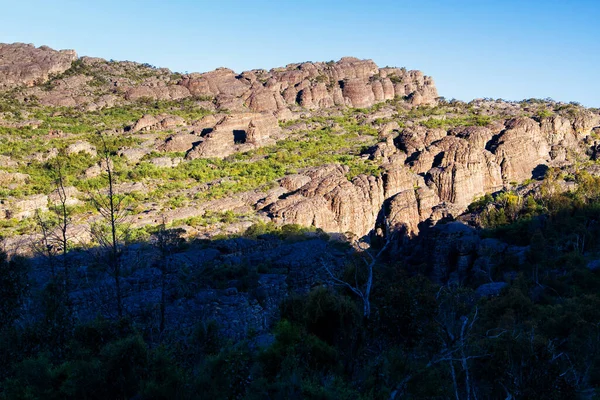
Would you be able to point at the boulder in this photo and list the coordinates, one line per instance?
(26, 207)
(134, 154)
(166, 162)
(70, 195)
(82, 147)
(181, 142)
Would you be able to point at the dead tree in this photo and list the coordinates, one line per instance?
(63, 214)
(111, 232)
(458, 346)
(457, 337)
(363, 291)
(54, 240)
(45, 246)
(166, 241)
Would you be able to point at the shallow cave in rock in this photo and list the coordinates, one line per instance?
(239, 136)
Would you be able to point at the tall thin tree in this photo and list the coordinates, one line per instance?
(112, 208)
(167, 241)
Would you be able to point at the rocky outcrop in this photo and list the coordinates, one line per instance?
(348, 82)
(7, 179)
(161, 92)
(429, 174)
(406, 210)
(333, 203)
(153, 122)
(166, 162)
(455, 254)
(26, 65)
(25, 207)
(235, 133)
(82, 147)
(520, 148)
(97, 83)
(70, 195)
(180, 142)
(133, 154)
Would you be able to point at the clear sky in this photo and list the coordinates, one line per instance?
(511, 49)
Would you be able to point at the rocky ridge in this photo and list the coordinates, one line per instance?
(429, 167)
(95, 83)
(429, 174)
(25, 65)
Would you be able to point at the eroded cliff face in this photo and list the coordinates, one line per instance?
(348, 82)
(430, 174)
(426, 174)
(25, 65)
(95, 83)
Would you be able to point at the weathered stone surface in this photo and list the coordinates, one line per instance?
(7, 162)
(25, 207)
(237, 132)
(70, 195)
(97, 169)
(333, 203)
(166, 162)
(163, 121)
(180, 142)
(163, 92)
(294, 182)
(147, 122)
(403, 212)
(82, 147)
(407, 209)
(220, 81)
(358, 93)
(133, 154)
(25, 65)
(347, 82)
(8, 178)
(452, 248)
(350, 81)
(519, 149)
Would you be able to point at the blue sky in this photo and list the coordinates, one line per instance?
(502, 49)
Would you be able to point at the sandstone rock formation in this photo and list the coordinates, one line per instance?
(25, 65)
(134, 154)
(150, 122)
(82, 147)
(180, 142)
(348, 82)
(25, 207)
(427, 174)
(234, 133)
(430, 174)
(333, 203)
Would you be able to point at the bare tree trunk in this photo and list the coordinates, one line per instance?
(63, 213)
(163, 299)
(364, 291)
(111, 208)
(454, 382)
(463, 361)
(115, 261)
(46, 247)
(166, 240)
